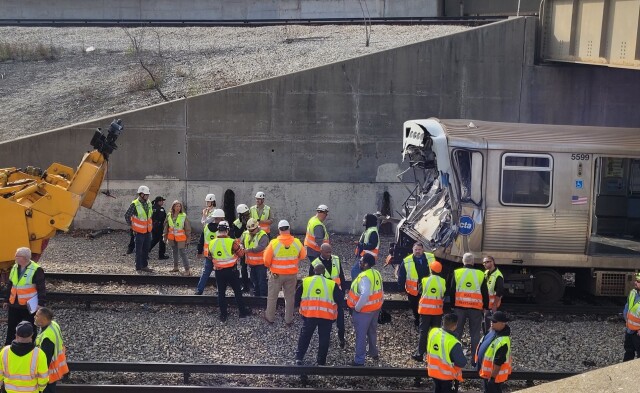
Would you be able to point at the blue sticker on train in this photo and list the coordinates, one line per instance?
(467, 225)
(579, 184)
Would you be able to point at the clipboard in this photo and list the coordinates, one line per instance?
(32, 304)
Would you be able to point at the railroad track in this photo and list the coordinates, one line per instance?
(467, 21)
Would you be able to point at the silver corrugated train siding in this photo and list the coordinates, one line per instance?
(535, 230)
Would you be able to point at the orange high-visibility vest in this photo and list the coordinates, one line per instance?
(58, 366)
(141, 222)
(432, 299)
(633, 312)
(208, 238)
(376, 298)
(310, 239)
(253, 258)
(221, 251)
(23, 287)
(491, 285)
(486, 369)
(439, 363)
(364, 238)
(468, 283)
(317, 298)
(176, 230)
(266, 213)
(285, 259)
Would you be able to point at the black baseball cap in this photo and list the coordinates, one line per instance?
(499, 316)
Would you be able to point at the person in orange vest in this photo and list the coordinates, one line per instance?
(369, 242)
(445, 358)
(262, 213)
(139, 216)
(431, 306)
(317, 233)
(319, 297)
(23, 366)
(255, 241)
(631, 315)
(50, 341)
(493, 356)
(413, 269)
(25, 286)
(177, 232)
(282, 256)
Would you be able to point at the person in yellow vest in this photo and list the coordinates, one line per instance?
(209, 233)
(333, 271)
(471, 298)
(495, 285)
(632, 317)
(414, 268)
(50, 342)
(238, 228)
(369, 242)
(255, 241)
(493, 356)
(23, 366)
(262, 213)
(316, 233)
(139, 216)
(282, 256)
(431, 306)
(445, 358)
(177, 232)
(365, 299)
(25, 287)
(319, 308)
(224, 253)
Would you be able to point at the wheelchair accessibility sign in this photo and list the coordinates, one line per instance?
(579, 184)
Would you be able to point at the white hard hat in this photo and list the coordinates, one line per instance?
(242, 208)
(283, 224)
(223, 226)
(210, 198)
(252, 224)
(143, 190)
(218, 213)
(260, 195)
(322, 208)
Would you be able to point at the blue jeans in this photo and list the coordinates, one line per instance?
(259, 280)
(143, 241)
(206, 272)
(366, 329)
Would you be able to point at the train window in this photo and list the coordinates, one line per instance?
(468, 166)
(526, 179)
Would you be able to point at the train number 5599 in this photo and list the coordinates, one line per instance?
(580, 156)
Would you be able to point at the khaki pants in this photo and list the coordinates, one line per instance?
(286, 283)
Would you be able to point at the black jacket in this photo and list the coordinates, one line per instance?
(328, 267)
(158, 217)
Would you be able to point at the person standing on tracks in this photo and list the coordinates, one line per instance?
(495, 285)
(471, 298)
(414, 268)
(493, 356)
(224, 253)
(445, 358)
(209, 233)
(255, 241)
(632, 317)
(262, 213)
(210, 206)
(319, 298)
(431, 306)
(316, 233)
(26, 291)
(365, 299)
(139, 217)
(282, 256)
(177, 232)
(23, 366)
(50, 341)
(237, 229)
(159, 216)
(333, 271)
(369, 242)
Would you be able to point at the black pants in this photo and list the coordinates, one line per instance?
(414, 301)
(427, 322)
(309, 326)
(143, 240)
(340, 319)
(156, 237)
(15, 315)
(491, 387)
(631, 346)
(132, 241)
(244, 272)
(441, 386)
(51, 388)
(224, 277)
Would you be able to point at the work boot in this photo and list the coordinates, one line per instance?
(417, 357)
(147, 269)
(163, 257)
(245, 313)
(223, 317)
(342, 343)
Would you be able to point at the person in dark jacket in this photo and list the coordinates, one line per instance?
(50, 335)
(494, 372)
(369, 242)
(420, 262)
(159, 216)
(23, 272)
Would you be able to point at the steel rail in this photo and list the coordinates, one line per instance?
(70, 388)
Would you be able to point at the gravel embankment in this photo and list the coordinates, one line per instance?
(78, 86)
(146, 332)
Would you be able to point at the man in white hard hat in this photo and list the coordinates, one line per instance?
(282, 256)
(209, 233)
(210, 206)
(237, 229)
(139, 216)
(317, 233)
(262, 213)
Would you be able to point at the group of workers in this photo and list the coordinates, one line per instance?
(33, 358)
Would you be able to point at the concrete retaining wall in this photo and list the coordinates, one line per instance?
(213, 9)
(333, 134)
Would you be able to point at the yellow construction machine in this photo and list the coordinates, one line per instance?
(34, 204)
